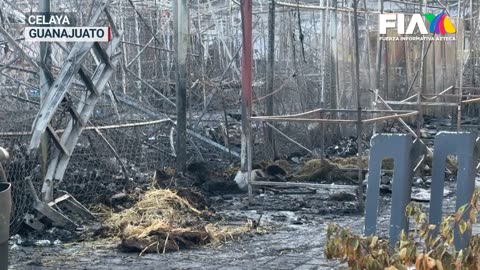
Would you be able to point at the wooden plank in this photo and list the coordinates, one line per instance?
(56, 140)
(55, 216)
(18, 48)
(214, 144)
(61, 85)
(112, 22)
(305, 185)
(59, 200)
(73, 111)
(101, 52)
(72, 133)
(422, 103)
(312, 120)
(88, 82)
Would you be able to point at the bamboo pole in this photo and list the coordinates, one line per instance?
(472, 37)
(359, 107)
(334, 99)
(139, 62)
(378, 64)
(307, 120)
(270, 74)
(367, 45)
(460, 65)
(304, 185)
(423, 83)
(290, 139)
(322, 71)
(124, 50)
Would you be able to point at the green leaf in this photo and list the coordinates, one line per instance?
(462, 208)
(462, 226)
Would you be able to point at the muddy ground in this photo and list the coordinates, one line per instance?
(292, 236)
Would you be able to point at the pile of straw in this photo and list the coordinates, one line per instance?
(163, 221)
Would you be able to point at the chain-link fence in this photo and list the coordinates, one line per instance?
(130, 134)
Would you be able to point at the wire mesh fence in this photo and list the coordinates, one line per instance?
(113, 154)
(130, 133)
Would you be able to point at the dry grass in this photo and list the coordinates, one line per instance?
(388, 163)
(350, 162)
(329, 171)
(163, 221)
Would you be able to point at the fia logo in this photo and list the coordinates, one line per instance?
(439, 24)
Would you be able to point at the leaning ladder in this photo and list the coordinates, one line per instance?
(64, 144)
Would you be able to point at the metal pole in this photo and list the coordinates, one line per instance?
(247, 80)
(181, 38)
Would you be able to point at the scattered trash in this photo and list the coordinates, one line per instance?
(423, 194)
(42, 243)
(344, 147)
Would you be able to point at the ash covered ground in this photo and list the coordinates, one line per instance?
(291, 235)
(289, 231)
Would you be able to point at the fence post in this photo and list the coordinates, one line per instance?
(404, 152)
(463, 145)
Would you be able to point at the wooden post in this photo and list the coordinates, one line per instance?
(139, 60)
(45, 83)
(460, 51)
(385, 80)
(325, 16)
(335, 84)
(359, 108)
(247, 80)
(378, 64)
(423, 83)
(181, 42)
(434, 73)
(270, 74)
(124, 50)
(379, 51)
(470, 44)
(367, 45)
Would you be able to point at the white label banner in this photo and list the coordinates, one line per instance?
(68, 34)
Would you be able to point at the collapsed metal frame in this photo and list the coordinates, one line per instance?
(247, 93)
(424, 102)
(58, 90)
(299, 117)
(81, 112)
(303, 117)
(397, 115)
